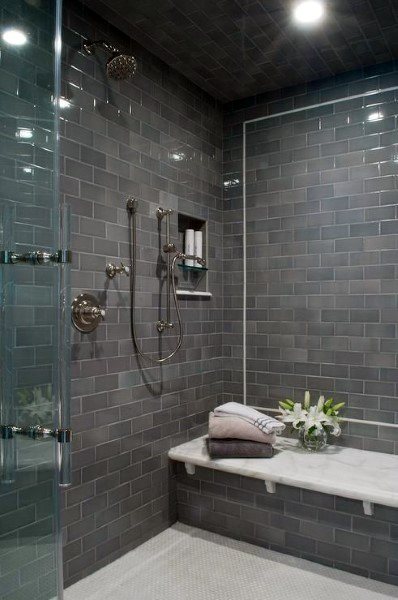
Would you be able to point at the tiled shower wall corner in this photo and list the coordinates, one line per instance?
(319, 527)
(322, 240)
(121, 138)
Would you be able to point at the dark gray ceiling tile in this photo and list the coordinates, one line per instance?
(238, 48)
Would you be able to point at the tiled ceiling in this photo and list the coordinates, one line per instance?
(238, 48)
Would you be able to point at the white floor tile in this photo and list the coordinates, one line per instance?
(184, 563)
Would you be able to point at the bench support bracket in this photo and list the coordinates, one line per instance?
(190, 468)
(270, 486)
(368, 507)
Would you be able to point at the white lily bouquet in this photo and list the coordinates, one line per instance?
(313, 422)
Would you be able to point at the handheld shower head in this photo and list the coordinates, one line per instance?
(118, 66)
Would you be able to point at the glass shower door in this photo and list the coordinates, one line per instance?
(34, 260)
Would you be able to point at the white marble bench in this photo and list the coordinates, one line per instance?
(370, 477)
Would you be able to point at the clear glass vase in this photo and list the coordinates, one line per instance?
(314, 440)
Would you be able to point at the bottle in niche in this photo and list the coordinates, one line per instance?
(198, 246)
(189, 246)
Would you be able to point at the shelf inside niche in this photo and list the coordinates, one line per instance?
(190, 268)
(194, 293)
(192, 279)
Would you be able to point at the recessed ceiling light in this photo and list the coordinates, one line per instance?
(309, 11)
(14, 37)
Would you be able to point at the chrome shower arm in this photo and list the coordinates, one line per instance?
(89, 46)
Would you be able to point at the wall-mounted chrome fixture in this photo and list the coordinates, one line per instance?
(112, 270)
(177, 156)
(169, 248)
(230, 183)
(165, 213)
(87, 314)
(118, 66)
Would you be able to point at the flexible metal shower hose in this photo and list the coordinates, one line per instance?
(133, 264)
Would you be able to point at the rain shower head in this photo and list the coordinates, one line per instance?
(119, 66)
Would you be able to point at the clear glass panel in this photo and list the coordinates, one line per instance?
(31, 335)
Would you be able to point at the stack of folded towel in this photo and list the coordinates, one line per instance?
(238, 431)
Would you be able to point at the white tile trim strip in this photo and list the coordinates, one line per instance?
(343, 419)
(370, 477)
(324, 103)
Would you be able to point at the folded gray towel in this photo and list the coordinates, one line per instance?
(231, 448)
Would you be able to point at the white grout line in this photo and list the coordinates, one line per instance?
(345, 419)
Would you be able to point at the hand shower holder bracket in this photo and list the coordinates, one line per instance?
(163, 325)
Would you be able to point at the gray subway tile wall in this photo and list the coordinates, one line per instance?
(321, 246)
(119, 138)
(319, 527)
(320, 234)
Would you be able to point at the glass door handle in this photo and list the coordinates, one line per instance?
(36, 257)
(63, 437)
(36, 432)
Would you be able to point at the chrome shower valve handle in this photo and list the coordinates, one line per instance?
(163, 325)
(112, 270)
(87, 314)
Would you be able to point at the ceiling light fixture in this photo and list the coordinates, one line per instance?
(308, 12)
(14, 37)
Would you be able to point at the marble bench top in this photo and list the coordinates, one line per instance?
(371, 477)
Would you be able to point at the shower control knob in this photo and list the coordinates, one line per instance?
(112, 270)
(87, 314)
(96, 311)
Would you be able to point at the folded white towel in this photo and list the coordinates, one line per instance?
(264, 422)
